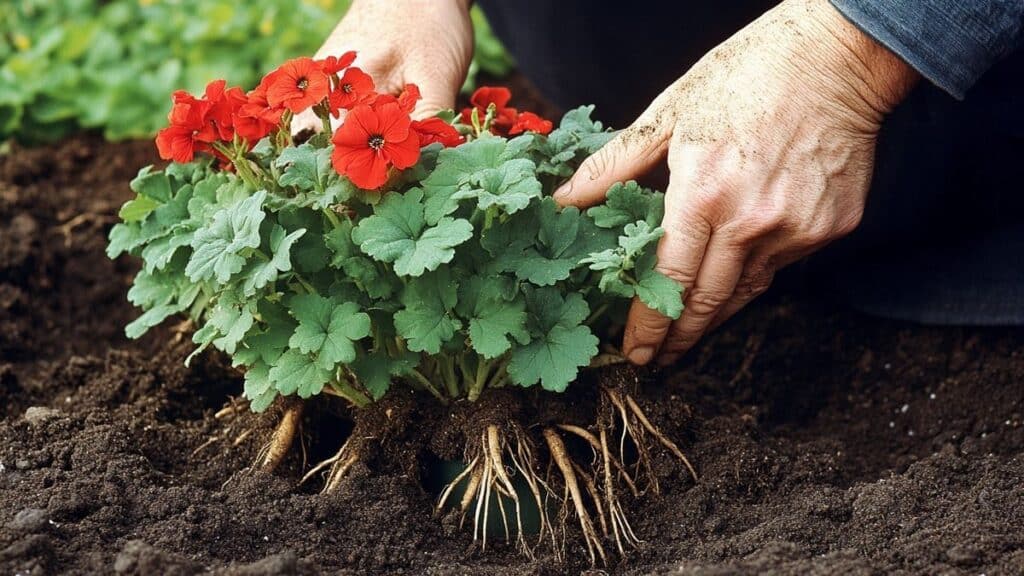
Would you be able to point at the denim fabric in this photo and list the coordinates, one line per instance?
(942, 239)
(950, 42)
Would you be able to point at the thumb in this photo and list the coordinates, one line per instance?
(630, 154)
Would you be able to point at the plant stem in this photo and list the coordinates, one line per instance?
(500, 377)
(467, 374)
(345, 390)
(332, 217)
(482, 370)
(446, 367)
(425, 382)
(597, 313)
(306, 285)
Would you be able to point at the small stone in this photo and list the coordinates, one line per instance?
(29, 520)
(963, 555)
(22, 464)
(37, 415)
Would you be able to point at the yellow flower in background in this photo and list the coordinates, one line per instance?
(267, 26)
(22, 42)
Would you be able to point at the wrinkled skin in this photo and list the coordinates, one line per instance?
(769, 140)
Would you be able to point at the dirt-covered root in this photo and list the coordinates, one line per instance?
(620, 409)
(487, 476)
(274, 452)
(571, 475)
(594, 492)
(339, 464)
(608, 471)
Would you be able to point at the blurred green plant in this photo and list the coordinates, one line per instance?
(68, 65)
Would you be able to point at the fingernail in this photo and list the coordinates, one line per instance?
(668, 359)
(641, 355)
(564, 191)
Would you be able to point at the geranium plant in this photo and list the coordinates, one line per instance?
(393, 252)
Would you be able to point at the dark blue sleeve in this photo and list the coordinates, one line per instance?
(950, 42)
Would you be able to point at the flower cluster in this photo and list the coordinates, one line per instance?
(490, 106)
(377, 131)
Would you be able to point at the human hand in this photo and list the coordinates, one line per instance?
(424, 42)
(770, 141)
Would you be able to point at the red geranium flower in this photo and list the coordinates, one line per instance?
(224, 106)
(528, 121)
(335, 64)
(371, 139)
(354, 88)
(437, 130)
(188, 132)
(258, 107)
(256, 118)
(297, 85)
(504, 116)
(408, 98)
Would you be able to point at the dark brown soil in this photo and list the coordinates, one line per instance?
(828, 443)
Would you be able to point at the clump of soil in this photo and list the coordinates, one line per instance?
(827, 442)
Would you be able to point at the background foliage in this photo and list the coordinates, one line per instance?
(66, 65)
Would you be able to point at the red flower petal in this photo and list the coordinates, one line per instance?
(437, 130)
(487, 95)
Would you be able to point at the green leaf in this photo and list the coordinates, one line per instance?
(297, 372)
(123, 238)
(427, 322)
(658, 291)
(511, 186)
(493, 319)
(327, 329)
(564, 239)
(309, 169)
(553, 359)
(375, 371)
(560, 344)
(137, 209)
(150, 290)
(397, 233)
(153, 185)
(626, 203)
(149, 319)
(637, 237)
(232, 317)
(576, 137)
(463, 168)
(258, 388)
(262, 273)
(217, 248)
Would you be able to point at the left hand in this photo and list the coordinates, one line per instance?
(770, 141)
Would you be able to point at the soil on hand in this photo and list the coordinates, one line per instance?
(826, 442)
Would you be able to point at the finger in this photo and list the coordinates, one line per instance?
(680, 253)
(435, 98)
(756, 278)
(716, 283)
(629, 155)
(439, 81)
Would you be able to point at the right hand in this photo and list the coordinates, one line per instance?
(424, 42)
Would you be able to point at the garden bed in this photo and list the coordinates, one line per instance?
(826, 441)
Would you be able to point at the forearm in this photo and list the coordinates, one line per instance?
(950, 42)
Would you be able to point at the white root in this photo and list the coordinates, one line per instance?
(603, 518)
(343, 461)
(561, 458)
(665, 441)
(487, 477)
(274, 452)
